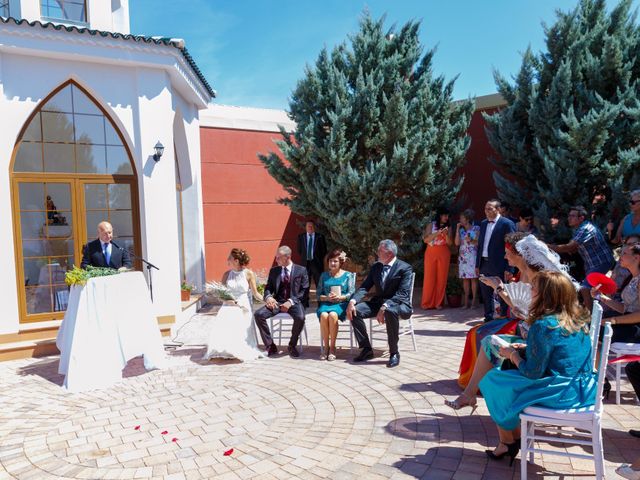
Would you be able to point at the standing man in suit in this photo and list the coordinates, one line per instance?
(312, 249)
(285, 291)
(390, 278)
(103, 252)
(490, 259)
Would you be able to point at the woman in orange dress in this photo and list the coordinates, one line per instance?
(436, 260)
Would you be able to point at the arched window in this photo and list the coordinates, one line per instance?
(71, 170)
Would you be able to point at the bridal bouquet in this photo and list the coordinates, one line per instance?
(220, 291)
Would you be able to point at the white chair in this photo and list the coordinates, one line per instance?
(594, 330)
(404, 329)
(279, 320)
(618, 349)
(547, 421)
(61, 300)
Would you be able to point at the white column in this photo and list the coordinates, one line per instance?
(157, 189)
(15, 112)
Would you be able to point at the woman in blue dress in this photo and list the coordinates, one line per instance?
(556, 371)
(335, 287)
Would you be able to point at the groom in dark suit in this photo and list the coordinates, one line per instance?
(390, 278)
(286, 290)
(490, 259)
(102, 252)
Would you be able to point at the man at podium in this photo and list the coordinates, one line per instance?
(102, 252)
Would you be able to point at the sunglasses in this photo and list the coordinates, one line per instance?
(633, 202)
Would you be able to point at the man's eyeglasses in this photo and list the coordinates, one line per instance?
(633, 202)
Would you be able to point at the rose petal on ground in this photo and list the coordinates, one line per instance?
(164, 432)
(228, 452)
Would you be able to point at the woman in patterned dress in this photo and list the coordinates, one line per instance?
(467, 240)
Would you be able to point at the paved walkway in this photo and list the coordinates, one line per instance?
(283, 418)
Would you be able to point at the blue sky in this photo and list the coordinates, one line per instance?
(253, 52)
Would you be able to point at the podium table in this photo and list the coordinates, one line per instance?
(108, 322)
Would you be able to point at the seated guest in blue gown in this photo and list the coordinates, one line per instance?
(335, 287)
(556, 371)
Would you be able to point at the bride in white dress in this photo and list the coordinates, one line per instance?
(232, 333)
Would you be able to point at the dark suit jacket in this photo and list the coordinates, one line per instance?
(299, 284)
(497, 264)
(92, 255)
(319, 249)
(397, 286)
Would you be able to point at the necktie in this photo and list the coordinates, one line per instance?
(286, 281)
(309, 247)
(385, 272)
(107, 254)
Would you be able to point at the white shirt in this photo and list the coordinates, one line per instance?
(491, 224)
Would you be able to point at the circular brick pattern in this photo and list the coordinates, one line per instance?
(283, 418)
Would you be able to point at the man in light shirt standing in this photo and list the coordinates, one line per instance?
(490, 261)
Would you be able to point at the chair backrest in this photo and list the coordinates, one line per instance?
(413, 281)
(594, 330)
(61, 300)
(604, 361)
(352, 281)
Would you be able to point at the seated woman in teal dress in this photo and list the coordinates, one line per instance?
(334, 289)
(556, 371)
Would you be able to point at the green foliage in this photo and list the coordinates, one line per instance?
(186, 287)
(79, 276)
(454, 284)
(377, 144)
(569, 134)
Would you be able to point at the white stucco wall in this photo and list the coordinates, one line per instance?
(141, 97)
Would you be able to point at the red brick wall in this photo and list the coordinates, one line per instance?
(478, 186)
(240, 199)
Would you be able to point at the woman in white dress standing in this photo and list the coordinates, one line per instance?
(232, 334)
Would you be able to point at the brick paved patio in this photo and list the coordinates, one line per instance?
(283, 417)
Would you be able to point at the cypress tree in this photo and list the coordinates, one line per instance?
(569, 133)
(378, 141)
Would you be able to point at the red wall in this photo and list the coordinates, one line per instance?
(240, 200)
(478, 186)
(240, 197)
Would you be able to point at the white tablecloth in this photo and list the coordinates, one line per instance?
(108, 322)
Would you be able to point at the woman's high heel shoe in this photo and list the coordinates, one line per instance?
(461, 402)
(511, 452)
(606, 389)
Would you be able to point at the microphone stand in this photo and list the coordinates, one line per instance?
(148, 264)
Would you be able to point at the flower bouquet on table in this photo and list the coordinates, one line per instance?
(221, 292)
(79, 276)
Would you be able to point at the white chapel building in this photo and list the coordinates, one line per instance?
(83, 103)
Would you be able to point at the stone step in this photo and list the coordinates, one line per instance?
(40, 340)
